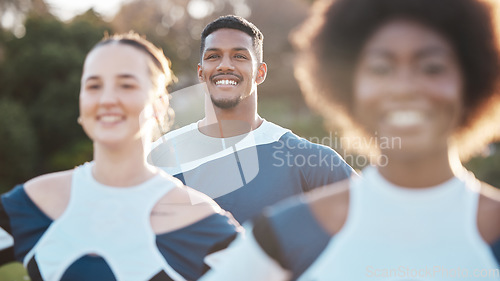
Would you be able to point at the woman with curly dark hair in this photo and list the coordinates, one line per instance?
(422, 78)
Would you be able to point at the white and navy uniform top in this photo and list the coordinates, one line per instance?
(391, 233)
(105, 234)
(246, 173)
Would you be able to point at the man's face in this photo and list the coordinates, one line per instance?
(230, 67)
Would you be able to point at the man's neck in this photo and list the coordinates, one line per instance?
(224, 123)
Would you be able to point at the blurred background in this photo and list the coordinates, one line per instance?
(43, 44)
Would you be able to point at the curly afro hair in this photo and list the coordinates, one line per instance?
(332, 39)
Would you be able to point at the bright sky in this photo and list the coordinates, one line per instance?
(66, 9)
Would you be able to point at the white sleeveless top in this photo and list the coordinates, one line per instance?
(111, 222)
(396, 233)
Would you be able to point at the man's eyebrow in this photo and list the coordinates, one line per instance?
(212, 50)
(241, 49)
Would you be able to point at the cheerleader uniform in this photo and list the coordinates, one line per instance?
(105, 234)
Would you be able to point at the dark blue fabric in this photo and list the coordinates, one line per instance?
(89, 268)
(287, 167)
(27, 222)
(177, 246)
(184, 249)
(6, 254)
(300, 238)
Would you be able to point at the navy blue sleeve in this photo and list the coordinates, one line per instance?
(289, 233)
(6, 251)
(185, 249)
(330, 168)
(319, 164)
(27, 221)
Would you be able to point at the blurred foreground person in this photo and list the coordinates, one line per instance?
(420, 78)
(117, 217)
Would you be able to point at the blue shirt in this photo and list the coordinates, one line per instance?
(246, 173)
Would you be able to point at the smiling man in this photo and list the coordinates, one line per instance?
(242, 161)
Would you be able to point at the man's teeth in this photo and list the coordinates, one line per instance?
(110, 119)
(405, 118)
(226, 82)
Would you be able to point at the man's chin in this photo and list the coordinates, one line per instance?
(225, 103)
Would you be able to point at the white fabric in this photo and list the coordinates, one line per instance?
(244, 260)
(6, 240)
(112, 222)
(396, 233)
(187, 148)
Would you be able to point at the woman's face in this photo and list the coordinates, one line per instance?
(116, 94)
(408, 89)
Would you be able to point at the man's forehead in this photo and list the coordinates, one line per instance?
(227, 38)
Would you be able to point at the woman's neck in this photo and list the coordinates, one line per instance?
(425, 171)
(123, 166)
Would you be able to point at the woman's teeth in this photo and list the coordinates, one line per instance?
(404, 118)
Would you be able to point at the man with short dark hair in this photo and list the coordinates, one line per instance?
(242, 161)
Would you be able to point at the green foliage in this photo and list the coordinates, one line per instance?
(40, 81)
(13, 272)
(18, 144)
(487, 167)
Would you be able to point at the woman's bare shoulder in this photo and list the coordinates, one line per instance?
(488, 216)
(330, 205)
(181, 207)
(50, 192)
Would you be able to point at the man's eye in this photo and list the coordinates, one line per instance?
(240, 56)
(211, 57)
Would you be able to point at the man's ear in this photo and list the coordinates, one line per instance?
(261, 73)
(200, 73)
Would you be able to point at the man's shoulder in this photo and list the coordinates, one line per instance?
(292, 141)
(182, 132)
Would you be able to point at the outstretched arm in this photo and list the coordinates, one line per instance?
(6, 239)
(244, 260)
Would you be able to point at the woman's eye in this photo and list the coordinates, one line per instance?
(93, 87)
(128, 86)
(433, 68)
(379, 69)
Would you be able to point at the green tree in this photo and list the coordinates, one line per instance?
(40, 78)
(487, 167)
(18, 146)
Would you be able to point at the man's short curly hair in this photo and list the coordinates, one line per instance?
(332, 39)
(238, 23)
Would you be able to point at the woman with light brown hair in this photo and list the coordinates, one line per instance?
(117, 217)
